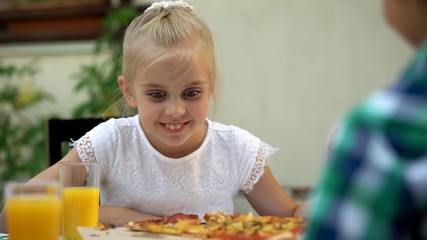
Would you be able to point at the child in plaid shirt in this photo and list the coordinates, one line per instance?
(375, 183)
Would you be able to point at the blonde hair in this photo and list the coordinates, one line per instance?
(162, 33)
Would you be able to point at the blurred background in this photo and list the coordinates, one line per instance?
(289, 70)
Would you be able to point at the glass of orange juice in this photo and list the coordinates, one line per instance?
(80, 197)
(33, 210)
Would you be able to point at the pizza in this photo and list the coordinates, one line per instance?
(225, 226)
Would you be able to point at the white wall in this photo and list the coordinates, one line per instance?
(289, 68)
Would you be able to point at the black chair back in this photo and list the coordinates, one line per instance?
(60, 130)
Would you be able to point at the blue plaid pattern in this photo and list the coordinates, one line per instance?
(375, 183)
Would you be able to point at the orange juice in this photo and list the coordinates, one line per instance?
(34, 217)
(80, 209)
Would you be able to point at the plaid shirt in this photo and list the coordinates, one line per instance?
(375, 183)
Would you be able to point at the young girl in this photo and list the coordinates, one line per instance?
(169, 158)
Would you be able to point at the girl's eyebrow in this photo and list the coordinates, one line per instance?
(152, 85)
(197, 82)
(156, 85)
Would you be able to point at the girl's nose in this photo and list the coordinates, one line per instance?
(175, 107)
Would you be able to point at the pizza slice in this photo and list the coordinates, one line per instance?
(238, 226)
(177, 224)
(225, 226)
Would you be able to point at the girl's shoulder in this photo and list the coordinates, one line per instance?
(220, 127)
(124, 122)
(115, 125)
(231, 131)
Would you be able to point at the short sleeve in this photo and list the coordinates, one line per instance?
(85, 149)
(252, 154)
(98, 143)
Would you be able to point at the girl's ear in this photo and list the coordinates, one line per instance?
(127, 91)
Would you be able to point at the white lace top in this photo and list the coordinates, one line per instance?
(138, 177)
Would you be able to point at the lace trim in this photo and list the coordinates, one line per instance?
(85, 149)
(258, 168)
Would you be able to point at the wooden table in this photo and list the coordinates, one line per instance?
(122, 233)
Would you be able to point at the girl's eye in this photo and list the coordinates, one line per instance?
(157, 95)
(191, 93)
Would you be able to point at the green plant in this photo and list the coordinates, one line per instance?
(99, 80)
(22, 139)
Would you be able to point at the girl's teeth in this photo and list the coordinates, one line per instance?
(173, 127)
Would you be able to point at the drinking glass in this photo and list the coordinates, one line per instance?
(33, 210)
(80, 197)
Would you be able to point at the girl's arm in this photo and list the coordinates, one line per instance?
(52, 172)
(302, 210)
(269, 198)
(119, 216)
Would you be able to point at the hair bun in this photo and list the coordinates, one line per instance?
(170, 4)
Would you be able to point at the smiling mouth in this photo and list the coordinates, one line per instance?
(176, 127)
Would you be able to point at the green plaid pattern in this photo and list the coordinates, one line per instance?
(375, 183)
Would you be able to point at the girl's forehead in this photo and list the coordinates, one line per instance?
(173, 71)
